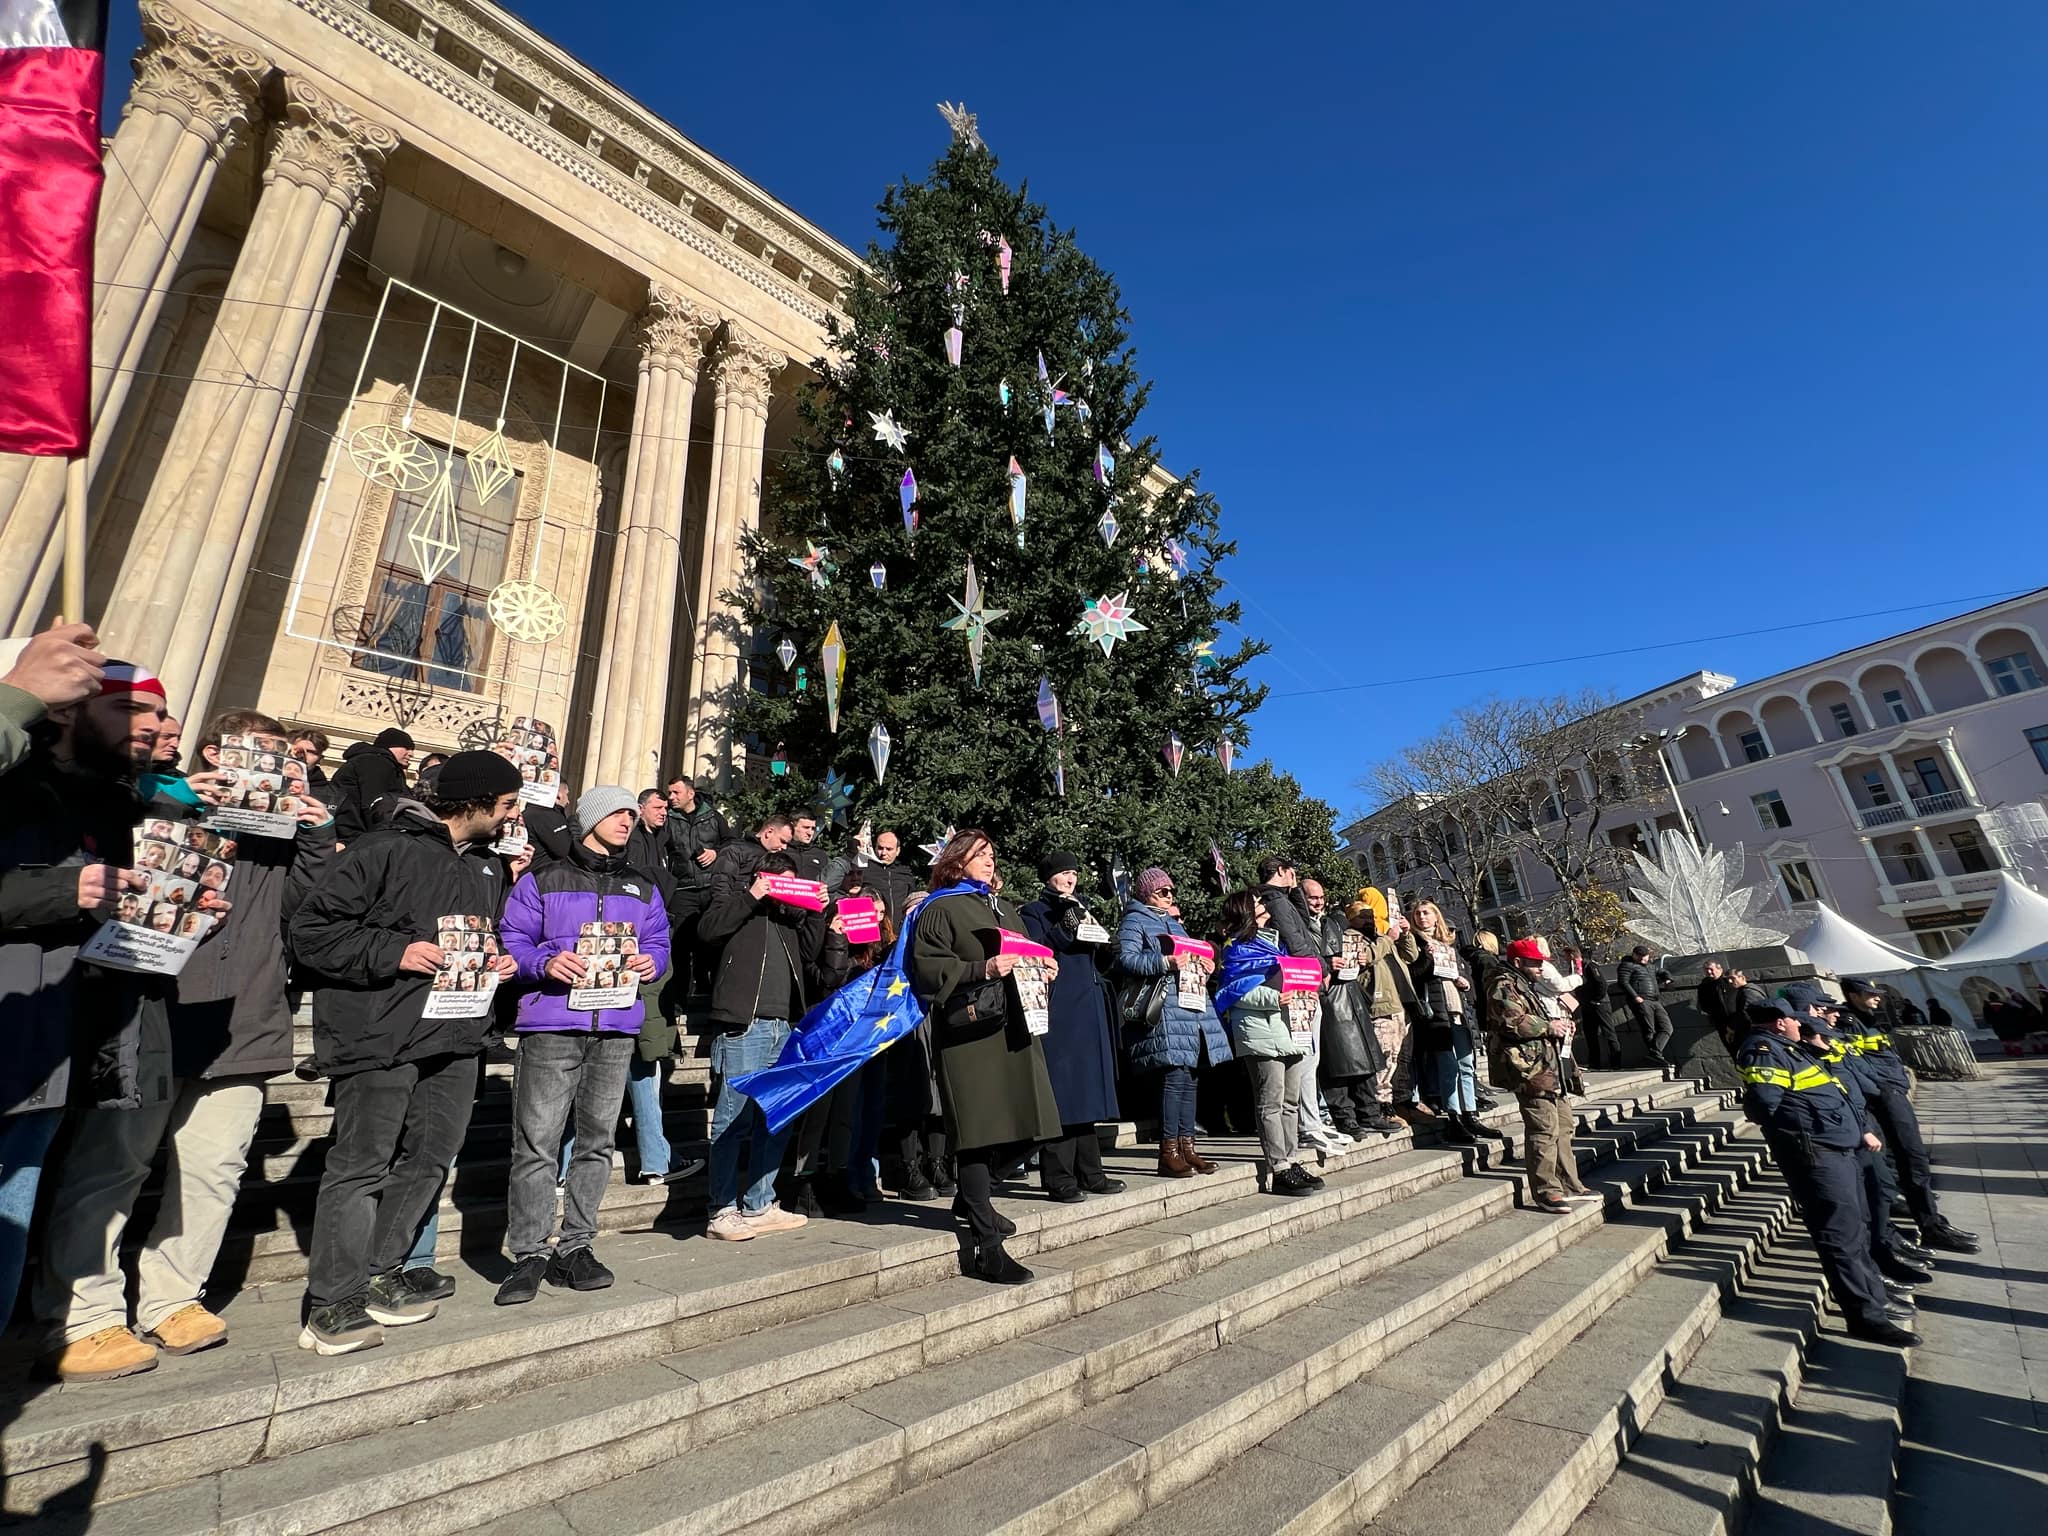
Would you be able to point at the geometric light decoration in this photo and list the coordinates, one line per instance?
(1108, 528)
(490, 466)
(434, 536)
(785, 652)
(973, 618)
(878, 750)
(833, 655)
(392, 456)
(1226, 753)
(1173, 752)
(1106, 620)
(527, 611)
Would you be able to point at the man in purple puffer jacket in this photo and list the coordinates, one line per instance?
(587, 930)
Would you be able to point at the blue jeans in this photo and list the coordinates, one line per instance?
(643, 1090)
(1457, 1074)
(1177, 1102)
(24, 1138)
(737, 1123)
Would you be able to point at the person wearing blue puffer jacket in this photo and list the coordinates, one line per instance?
(577, 927)
(1177, 1041)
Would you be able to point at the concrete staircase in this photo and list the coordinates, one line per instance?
(1182, 1341)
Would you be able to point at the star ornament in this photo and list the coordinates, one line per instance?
(887, 430)
(931, 851)
(1106, 620)
(962, 122)
(816, 563)
(971, 616)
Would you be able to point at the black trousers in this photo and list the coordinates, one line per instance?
(396, 1130)
(1829, 1188)
(1655, 1024)
(1603, 1040)
(1352, 1100)
(1073, 1161)
(1876, 1202)
(975, 1168)
(1900, 1128)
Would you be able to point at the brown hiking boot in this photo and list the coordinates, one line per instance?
(1194, 1158)
(103, 1356)
(1171, 1164)
(188, 1330)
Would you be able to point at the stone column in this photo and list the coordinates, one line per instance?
(745, 372)
(193, 100)
(175, 600)
(640, 623)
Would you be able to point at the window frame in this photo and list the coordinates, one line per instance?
(1771, 812)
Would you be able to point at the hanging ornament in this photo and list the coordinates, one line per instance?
(1173, 751)
(1049, 717)
(864, 844)
(393, 456)
(1045, 384)
(527, 611)
(1003, 262)
(878, 751)
(1003, 392)
(974, 619)
(837, 465)
(816, 563)
(1106, 620)
(878, 573)
(954, 338)
(835, 796)
(1177, 558)
(906, 489)
(1105, 464)
(886, 430)
(803, 679)
(832, 654)
(435, 536)
(1203, 653)
(1108, 528)
(931, 851)
(1216, 864)
(779, 763)
(1226, 753)
(785, 652)
(1017, 487)
(490, 464)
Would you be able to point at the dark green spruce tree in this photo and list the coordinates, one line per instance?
(967, 753)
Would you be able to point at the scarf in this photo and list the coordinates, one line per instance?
(1246, 965)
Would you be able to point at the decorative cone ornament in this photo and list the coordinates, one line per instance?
(1173, 752)
(878, 573)
(785, 652)
(833, 655)
(1226, 753)
(878, 751)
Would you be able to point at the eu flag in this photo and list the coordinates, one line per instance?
(833, 1040)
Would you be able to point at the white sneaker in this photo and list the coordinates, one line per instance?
(729, 1226)
(773, 1218)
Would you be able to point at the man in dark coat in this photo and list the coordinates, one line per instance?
(367, 776)
(1080, 1056)
(695, 833)
(231, 1028)
(1280, 889)
(1640, 984)
(889, 880)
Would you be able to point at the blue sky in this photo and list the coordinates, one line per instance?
(1503, 332)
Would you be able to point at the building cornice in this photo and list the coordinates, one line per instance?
(508, 63)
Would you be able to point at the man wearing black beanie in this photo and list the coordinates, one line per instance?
(400, 938)
(369, 773)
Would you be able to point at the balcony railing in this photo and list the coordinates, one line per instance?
(1883, 816)
(1939, 805)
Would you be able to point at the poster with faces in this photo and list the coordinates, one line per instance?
(462, 988)
(604, 948)
(156, 928)
(1303, 1010)
(530, 743)
(513, 841)
(265, 783)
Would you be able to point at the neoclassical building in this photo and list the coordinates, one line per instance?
(435, 380)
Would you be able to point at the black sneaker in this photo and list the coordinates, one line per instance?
(394, 1303)
(523, 1284)
(1292, 1181)
(340, 1329)
(578, 1270)
(428, 1284)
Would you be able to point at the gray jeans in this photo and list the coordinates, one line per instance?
(557, 1073)
(1276, 1084)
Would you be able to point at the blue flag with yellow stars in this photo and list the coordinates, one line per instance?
(846, 1030)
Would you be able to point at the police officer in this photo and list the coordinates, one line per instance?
(1863, 1028)
(1888, 1248)
(1812, 1130)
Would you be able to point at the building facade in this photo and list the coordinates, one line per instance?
(1893, 781)
(435, 381)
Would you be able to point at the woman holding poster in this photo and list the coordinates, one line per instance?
(1079, 1055)
(1252, 998)
(992, 1080)
(1168, 1025)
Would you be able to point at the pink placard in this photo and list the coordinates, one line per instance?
(863, 919)
(1300, 973)
(1017, 944)
(797, 892)
(1181, 944)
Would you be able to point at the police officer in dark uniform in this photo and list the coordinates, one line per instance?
(1813, 1132)
(1866, 1037)
(1889, 1249)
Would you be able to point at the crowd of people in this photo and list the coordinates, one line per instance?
(431, 911)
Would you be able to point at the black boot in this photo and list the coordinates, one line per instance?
(995, 1265)
(1480, 1128)
(1453, 1132)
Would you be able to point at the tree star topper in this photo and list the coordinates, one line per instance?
(887, 431)
(1106, 620)
(974, 619)
(962, 122)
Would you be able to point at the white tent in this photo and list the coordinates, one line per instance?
(1835, 944)
(2013, 930)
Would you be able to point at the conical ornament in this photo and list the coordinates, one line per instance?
(878, 751)
(490, 465)
(434, 536)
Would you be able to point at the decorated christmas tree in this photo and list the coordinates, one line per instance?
(978, 600)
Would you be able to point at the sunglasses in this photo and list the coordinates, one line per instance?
(1164, 890)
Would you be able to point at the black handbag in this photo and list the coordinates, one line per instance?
(1141, 1004)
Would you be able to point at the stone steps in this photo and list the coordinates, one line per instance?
(789, 1323)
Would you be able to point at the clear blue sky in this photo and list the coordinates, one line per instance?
(1503, 332)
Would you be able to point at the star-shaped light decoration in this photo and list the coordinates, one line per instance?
(931, 851)
(1106, 620)
(816, 563)
(973, 618)
(878, 750)
(832, 654)
(1108, 528)
(1203, 654)
(962, 122)
(392, 456)
(1177, 557)
(887, 430)
(434, 535)
(836, 795)
(785, 652)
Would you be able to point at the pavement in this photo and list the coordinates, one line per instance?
(1975, 1446)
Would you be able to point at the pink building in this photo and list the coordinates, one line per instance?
(1892, 781)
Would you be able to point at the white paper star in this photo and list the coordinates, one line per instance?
(931, 851)
(886, 429)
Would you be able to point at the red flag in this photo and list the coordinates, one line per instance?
(51, 69)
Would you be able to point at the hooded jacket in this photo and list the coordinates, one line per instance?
(383, 893)
(1519, 1022)
(1289, 917)
(367, 774)
(544, 917)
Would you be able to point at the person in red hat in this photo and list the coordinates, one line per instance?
(1529, 1029)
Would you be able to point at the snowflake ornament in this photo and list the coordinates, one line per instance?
(393, 456)
(1106, 620)
(527, 612)
(887, 431)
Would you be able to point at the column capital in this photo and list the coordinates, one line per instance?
(746, 368)
(673, 330)
(323, 145)
(195, 75)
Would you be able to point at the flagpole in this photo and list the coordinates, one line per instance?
(74, 540)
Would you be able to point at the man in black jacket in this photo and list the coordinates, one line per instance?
(777, 960)
(1280, 890)
(1639, 984)
(694, 834)
(402, 927)
(230, 1029)
(889, 881)
(365, 777)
